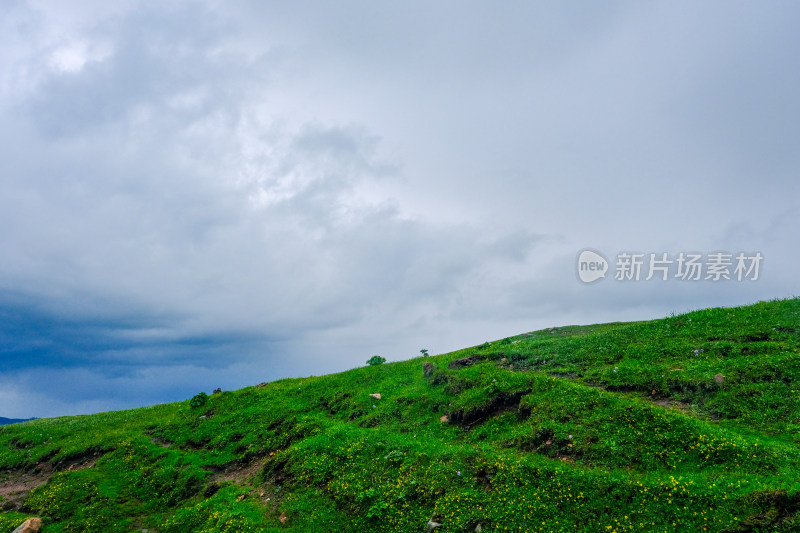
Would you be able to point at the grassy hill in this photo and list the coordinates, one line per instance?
(688, 423)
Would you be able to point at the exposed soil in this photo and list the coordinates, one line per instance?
(15, 485)
(239, 473)
(15, 489)
(161, 442)
(464, 362)
(500, 404)
(244, 474)
(673, 404)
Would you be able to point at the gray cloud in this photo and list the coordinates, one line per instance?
(214, 194)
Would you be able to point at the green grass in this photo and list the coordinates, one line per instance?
(604, 428)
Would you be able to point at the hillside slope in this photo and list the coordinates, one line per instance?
(688, 423)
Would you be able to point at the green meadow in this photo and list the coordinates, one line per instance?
(688, 423)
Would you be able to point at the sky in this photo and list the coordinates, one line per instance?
(203, 194)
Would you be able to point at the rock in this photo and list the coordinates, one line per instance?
(262, 384)
(465, 362)
(217, 391)
(376, 395)
(31, 525)
(433, 523)
(478, 528)
(719, 378)
(427, 370)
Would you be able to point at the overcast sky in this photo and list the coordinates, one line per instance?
(214, 194)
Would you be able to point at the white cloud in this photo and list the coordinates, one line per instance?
(71, 57)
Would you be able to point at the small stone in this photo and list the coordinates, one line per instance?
(376, 395)
(31, 525)
(719, 378)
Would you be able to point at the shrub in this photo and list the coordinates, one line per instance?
(376, 360)
(199, 400)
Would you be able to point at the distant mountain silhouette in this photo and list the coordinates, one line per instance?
(5, 421)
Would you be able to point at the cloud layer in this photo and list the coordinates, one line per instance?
(216, 194)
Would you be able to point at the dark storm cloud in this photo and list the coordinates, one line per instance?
(110, 345)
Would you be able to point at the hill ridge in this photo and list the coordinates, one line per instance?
(4, 421)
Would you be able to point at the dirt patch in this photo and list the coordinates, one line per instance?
(15, 489)
(267, 493)
(239, 473)
(673, 404)
(79, 462)
(15, 485)
(502, 403)
(164, 443)
(464, 362)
